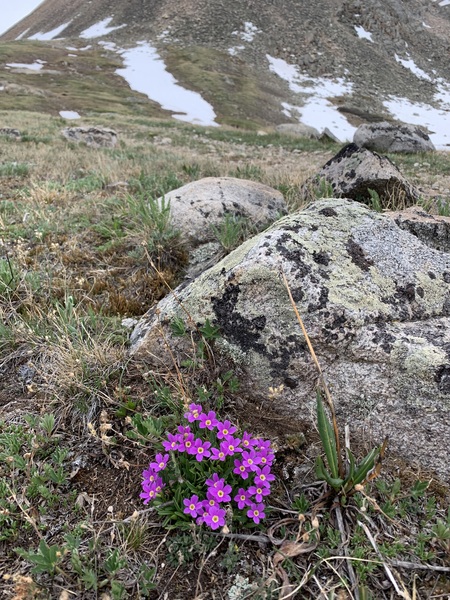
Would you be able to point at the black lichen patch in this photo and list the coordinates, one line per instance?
(384, 340)
(293, 252)
(321, 302)
(357, 255)
(328, 212)
(446, 276)
(243, 331)
(406, 292)
(281, 358)
(345, 152)
(297, 293)
(321, 258)
(442, 378)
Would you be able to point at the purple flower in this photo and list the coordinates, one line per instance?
(259, 491)
(218, 454)
(149, 475)
(148, 495)
(256, 512)
(225, 428)
(194, 412)
(250, 460)
(187, 444)
(240, 469)
(200, 449)
(151, 489)
(263, 476)
(267, 457)
(230, 445)
(214, 480)
(210, 501)
(203, 514)
(173, 442)
(215, 517)
(247, 440)
(160, 462)
(242, 498)
(193, 506)
(208, 421)
(184, 429)
(263, 444)
(221, 492)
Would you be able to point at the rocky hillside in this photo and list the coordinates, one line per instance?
(370, 60)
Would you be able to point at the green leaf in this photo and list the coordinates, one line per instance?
(89, 578)
(326, 433)
(419, 488)
(366, 465)
(208, 331)
(335, 482)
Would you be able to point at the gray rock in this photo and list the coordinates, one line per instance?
(354, 171)
(95, 137)
(328, 136)
(432, 230)
(201, 210)
(390, 137)
(298, 130)
(375, 301)
(10, 132)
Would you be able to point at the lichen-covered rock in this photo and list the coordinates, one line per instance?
(199, 211)
(375, 301)
(391, 137)
(92, 136)
(432, 230)
(354, 171)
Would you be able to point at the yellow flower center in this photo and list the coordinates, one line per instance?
(215, 518)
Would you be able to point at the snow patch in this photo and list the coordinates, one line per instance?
(49, 35)
(317, 110)
(235, 50)
(444, 3)
(19, 37)
(411, 65)
(437, 121)
(108, 45)
(146, 72)
(99, 29)
(36, 66)
(69, 114)
(247, 35)
(363, 34)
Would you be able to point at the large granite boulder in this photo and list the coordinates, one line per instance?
(202, 210)
(375, 301)
(357, 173)
(96, 137)
(391, 137)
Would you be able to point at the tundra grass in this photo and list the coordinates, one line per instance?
(83, 252)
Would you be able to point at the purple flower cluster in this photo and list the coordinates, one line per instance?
(245, 458)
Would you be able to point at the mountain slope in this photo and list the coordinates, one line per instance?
(380, 52)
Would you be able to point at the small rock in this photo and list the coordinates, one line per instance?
(354, 171)
(95, 137)
(299, 130)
